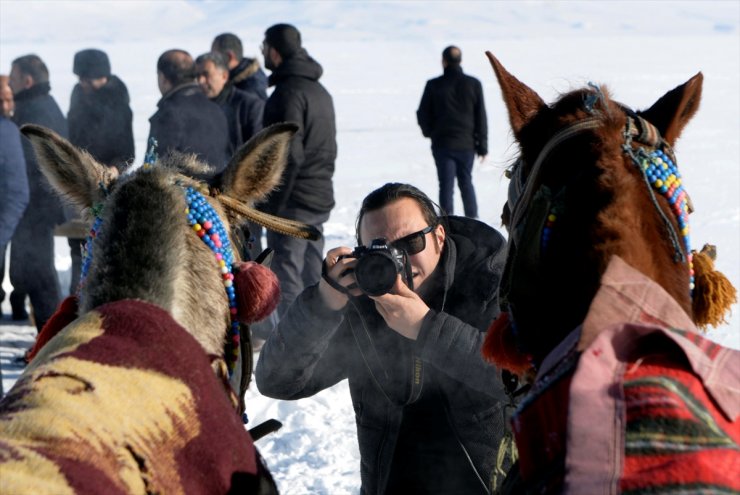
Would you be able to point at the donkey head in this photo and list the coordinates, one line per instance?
(145, 243)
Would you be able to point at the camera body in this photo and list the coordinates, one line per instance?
(377, 266)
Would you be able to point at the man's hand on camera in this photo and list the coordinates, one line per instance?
(402, 309)
(341, 272)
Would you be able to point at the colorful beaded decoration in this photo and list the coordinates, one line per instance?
(87, 246)
(205, 222)
(663, 175)
(547, 230)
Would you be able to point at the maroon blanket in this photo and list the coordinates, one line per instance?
(124, 400)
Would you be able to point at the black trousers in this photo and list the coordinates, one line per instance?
(297, 262)
(32, 269)
(451, 164)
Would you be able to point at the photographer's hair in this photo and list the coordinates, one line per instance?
(394, 191)
(452, 56)
(32, 65)
(228, 41)
(216, 58)
(176, 66)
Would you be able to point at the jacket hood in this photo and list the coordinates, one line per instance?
(301, 65)
(246, 68)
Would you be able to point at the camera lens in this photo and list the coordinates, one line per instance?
(376, 273)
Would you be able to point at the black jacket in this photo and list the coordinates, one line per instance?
(188, 122)
(101, 122)
(453, 114)
(249, 76)
(36, 106)
(300, 98)
(243, 113)
(13, 181)
(314, 348)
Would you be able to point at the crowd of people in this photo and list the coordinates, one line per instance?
(431, 414)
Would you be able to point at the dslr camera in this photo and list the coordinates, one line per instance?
(378, 265)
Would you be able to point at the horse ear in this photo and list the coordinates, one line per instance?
(521, 101)
(256, 168)
(672, 112)
(71, 172)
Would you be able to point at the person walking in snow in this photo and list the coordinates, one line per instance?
(453, 115)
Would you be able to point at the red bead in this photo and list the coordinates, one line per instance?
(207, 224)
(201, 233)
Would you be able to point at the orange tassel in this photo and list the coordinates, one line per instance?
(713, 293)
(500, 349)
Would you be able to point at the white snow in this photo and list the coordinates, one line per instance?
(377, 56)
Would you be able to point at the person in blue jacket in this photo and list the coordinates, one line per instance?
(13, 180)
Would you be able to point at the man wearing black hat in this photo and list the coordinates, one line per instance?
(101, 122)
(307, 192)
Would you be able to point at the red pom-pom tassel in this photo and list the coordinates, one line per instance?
(65, 314)
(500, 347)
(257, 291)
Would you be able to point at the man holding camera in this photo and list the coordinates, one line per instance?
(431, 413)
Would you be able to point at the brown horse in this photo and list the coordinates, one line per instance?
(599, 269)
(125, 399)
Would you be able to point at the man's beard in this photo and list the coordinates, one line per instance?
(269, 65)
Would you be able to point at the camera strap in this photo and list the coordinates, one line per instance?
(335, 285)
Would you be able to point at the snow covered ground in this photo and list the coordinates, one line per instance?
(376, 57)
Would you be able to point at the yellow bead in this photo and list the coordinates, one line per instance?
(658, 183)
(197, 227)
(221, 263)
(685, 231)
(187, 211)
(551, 217)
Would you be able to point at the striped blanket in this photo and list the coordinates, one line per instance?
(635, 408)
(124, 400)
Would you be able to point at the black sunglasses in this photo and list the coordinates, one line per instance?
(413, 243)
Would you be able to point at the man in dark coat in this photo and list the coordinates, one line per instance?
(186, 120)
(13, 179)
(243, 112)
(32, 269)
(431, 413)
(244, 73)
(101, 122)
(453, 114)
(307, 192)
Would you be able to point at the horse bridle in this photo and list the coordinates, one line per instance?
(523, 189)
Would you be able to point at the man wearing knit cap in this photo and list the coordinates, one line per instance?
(101, 122)
(306, 193)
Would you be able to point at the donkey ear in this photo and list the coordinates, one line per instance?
(521, 101)
(256, 168)
(672, 112)
(71, 172)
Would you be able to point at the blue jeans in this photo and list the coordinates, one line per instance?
(451, 164)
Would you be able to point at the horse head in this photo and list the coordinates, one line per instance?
(160, 236)
(594, 179)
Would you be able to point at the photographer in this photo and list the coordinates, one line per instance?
(431, 414)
